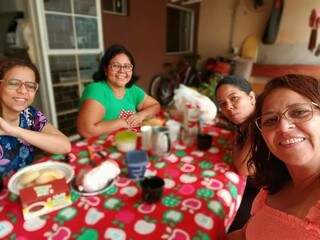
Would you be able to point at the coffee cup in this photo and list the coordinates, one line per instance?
(204, 141)
(152, 189)
(174, 129)
(146, 137)
(136, 161)
(126, 140)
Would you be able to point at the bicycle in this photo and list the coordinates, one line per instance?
(162, 86)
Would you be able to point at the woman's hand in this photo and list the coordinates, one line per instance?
(135, 120)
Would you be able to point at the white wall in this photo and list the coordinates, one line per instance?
(292, 41)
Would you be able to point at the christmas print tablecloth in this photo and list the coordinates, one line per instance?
(201, 195)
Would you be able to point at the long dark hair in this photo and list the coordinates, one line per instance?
(270, 172)
(10, 63)
(109, 54)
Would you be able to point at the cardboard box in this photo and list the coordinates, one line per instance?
(42, 199)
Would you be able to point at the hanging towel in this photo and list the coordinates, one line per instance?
(317, 25)
(317, 52)
(272, 28)
(314, 24)
(312, 39)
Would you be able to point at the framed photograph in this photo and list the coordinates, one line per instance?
(118, 7)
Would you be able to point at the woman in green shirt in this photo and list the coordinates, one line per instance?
(113, 101)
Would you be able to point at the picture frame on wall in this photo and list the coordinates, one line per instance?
(118, 7)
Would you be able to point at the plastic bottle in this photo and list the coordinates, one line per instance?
(190, 126)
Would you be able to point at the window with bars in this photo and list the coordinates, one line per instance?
(73, 50)
(180, 25)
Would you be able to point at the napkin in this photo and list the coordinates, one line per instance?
(98, 177)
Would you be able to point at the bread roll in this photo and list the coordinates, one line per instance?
(154, 122)
(58, 174)
(27, 178)
(44, 178)
(49, 175)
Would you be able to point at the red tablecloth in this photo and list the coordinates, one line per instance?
(201, 195)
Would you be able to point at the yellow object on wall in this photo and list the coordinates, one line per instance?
(250, 48)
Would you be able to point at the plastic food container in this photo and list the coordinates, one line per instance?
(15, 184)
(126, 140)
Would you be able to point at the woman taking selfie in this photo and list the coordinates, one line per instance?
(286, 156)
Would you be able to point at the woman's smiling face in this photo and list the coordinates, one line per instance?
(16, 100)
(295, 143)
(119, 77)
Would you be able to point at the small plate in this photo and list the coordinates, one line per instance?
(86, 194)
(14, 182)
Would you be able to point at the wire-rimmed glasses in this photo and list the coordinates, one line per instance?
(117, 66)
(296, 113)
(15, 84)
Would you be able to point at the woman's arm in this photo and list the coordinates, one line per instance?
(90, 120)
(148, 108)
(49, 139)
(241, 155)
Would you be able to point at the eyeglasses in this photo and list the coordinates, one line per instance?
(297, 113)
(117, 66)
(15, 84)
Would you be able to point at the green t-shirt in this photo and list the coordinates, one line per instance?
(115, 108)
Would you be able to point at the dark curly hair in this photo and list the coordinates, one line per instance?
(270, 172)
(109, 54)
(7, 64)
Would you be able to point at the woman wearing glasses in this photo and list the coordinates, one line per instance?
(22, 127)
(236, 101)
(286, 156)
(113, 101)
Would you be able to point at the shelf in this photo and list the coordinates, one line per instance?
(271, 71)
(67, 112)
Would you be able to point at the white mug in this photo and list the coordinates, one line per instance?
(146, 137)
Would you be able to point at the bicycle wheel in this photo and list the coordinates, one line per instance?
(154, 85)
(162, 89)
(165, 91)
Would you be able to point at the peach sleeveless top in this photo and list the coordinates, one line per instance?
(269, 223)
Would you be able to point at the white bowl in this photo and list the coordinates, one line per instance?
(14, 182)
(126, 146)
(126, 140)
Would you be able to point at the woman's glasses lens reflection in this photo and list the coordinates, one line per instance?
(295, 114)
(117, 66)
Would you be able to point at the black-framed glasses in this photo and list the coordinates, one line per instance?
(296, 113)
(15, 84)
(125, 67)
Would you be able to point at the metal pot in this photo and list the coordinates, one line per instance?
(161, 144)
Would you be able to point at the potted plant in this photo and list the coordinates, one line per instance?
(209, 88)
